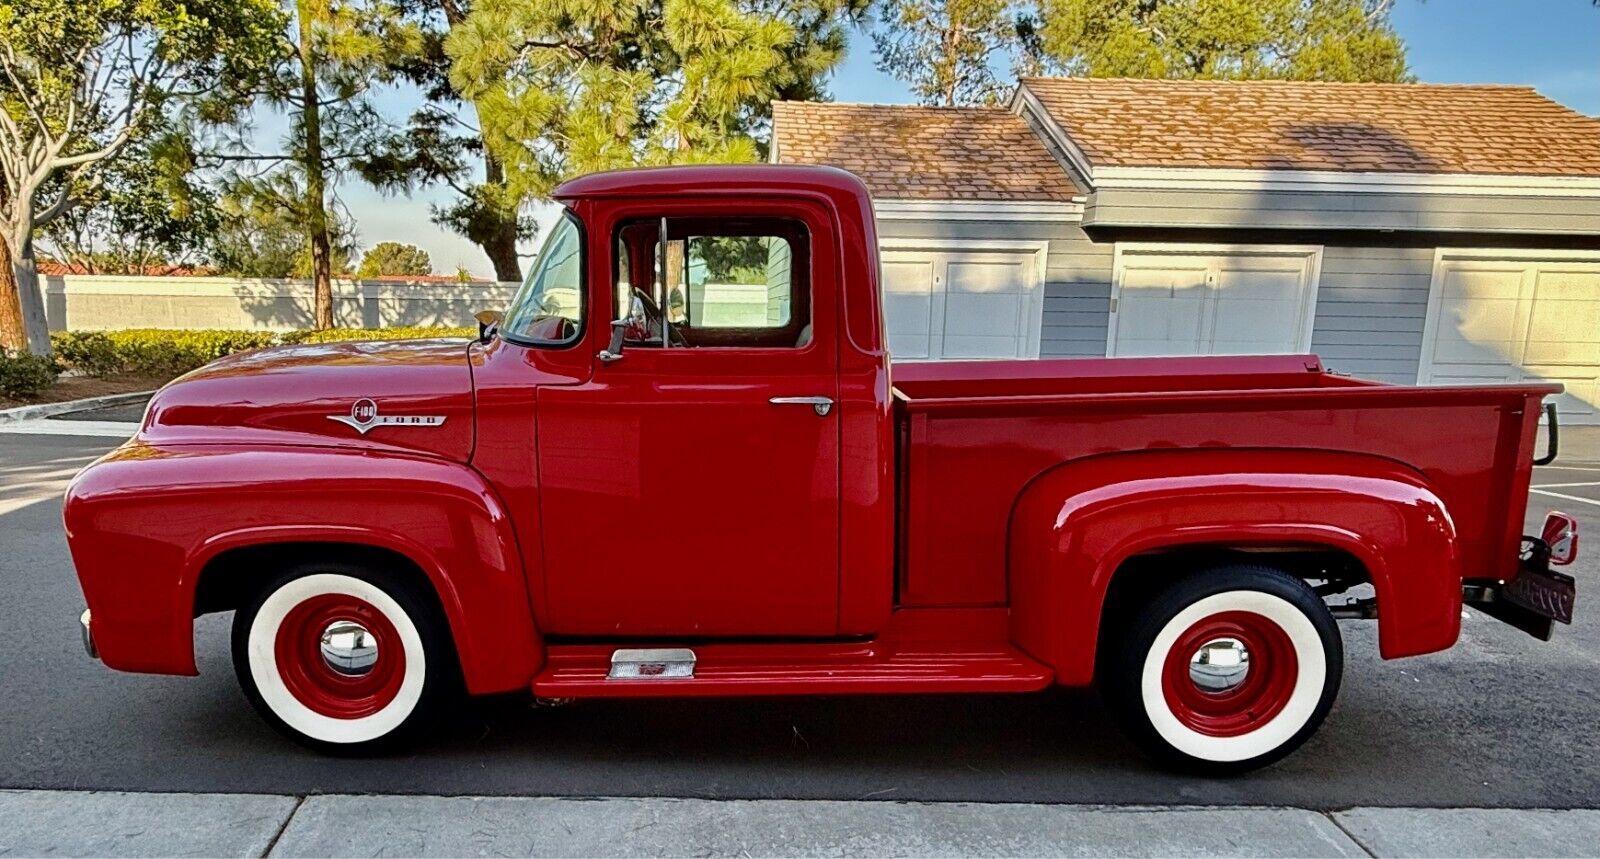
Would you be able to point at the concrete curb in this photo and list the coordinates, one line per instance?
(78, 823)
(45, 410)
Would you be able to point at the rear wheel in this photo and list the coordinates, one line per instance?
(340, 657)
(1226, 670)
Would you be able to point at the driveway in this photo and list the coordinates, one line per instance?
(1500, 720)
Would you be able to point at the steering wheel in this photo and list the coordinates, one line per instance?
(652, 318)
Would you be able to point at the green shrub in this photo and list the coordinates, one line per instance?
(24, 375)
(163, 352)
(88, 352)
(402, 332)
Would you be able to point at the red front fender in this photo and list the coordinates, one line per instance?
(1074, 526)
(144, 521)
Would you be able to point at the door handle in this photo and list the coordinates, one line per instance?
(821, 405)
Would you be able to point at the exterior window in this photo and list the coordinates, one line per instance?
(728, 283)
(548, 309)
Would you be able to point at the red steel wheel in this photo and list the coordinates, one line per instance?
(1229, 673)
(340, 656)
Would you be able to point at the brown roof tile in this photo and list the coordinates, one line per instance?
(904, 152)
(1300, 125)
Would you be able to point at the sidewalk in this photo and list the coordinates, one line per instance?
(71, 823)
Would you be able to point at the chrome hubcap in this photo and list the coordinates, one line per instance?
(348, 648)
(1220, 665)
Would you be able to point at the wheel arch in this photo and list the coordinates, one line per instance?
(150, 526)
(1085, 525)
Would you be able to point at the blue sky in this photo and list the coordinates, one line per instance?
(1553, 45)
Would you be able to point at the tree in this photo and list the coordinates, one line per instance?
(329, 63)
(261, 231)
(947, 49)
(79, 83)
(564, 87)
(147, 213)
(390, 259)
(1343, 40)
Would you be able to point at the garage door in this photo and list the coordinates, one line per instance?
(962, 304)
(1211, 300)
(1514, 317)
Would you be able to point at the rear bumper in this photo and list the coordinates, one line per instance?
(1533, 601)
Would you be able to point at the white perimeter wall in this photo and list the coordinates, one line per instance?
(103, 302)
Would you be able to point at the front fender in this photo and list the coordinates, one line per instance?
(144, 521)
(1074, 526)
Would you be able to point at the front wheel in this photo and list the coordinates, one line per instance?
(339, 657)
(1226, 670)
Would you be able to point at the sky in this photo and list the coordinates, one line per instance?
(1552, 45)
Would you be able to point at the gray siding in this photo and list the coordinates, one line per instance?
(1371, 305)
(1328, 211)
(1077, 289)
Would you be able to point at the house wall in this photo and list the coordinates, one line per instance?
(1077, 288)
(104, 302)
(1372, 296)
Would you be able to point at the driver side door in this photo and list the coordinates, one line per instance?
(690, 488)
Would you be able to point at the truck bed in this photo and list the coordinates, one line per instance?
(971, 435)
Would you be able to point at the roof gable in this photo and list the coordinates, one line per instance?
(922, 153)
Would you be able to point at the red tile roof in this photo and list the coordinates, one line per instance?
(1303, 125)
(904, 152)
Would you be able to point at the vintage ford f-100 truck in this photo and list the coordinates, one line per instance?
(681, 463)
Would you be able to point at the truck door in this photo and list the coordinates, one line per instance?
(691, 486)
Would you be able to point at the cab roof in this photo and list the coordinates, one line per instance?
(711, 179)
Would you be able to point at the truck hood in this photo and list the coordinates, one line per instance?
(406, 395)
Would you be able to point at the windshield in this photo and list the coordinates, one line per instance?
(549, 306)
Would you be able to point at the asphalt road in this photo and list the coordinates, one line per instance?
(1500, 720)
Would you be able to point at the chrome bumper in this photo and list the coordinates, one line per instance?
(88, 639)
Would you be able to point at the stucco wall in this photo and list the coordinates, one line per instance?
(102, 302)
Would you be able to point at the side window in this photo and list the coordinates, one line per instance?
(727, 283)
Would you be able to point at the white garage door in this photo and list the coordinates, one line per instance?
(1212, 300)
(962, 304)
(1514, 316)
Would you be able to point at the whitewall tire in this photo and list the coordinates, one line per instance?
(1226, 670)
(339, 657)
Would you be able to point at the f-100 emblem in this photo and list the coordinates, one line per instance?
(364, 416)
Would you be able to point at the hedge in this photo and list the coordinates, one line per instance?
(24, 375)
(166, 353)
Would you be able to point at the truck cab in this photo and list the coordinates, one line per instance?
(681, 462)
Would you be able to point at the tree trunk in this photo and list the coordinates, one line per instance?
(22, 319)
(13, 331)
(316, 193)
(501, 241)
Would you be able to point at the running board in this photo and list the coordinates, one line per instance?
(597, 671)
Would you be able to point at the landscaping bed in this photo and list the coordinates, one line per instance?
(98, 363)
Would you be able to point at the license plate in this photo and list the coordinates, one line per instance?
(1544, 592)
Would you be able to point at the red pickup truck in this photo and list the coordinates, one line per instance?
(682, 463)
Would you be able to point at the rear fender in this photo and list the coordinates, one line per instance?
(1074, 526)
(144, 522)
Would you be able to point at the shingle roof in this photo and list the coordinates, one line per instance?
(1421, 128)
(904, 152)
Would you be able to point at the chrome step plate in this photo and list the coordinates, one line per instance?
(666, 663)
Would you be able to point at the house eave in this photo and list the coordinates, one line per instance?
(909, 209)
(1199, 179)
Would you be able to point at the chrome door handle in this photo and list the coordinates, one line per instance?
(822, 405)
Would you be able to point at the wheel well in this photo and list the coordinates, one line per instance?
(1329, 571)
(231, 576)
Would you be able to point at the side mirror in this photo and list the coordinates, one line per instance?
(488, 323)
(613, 350)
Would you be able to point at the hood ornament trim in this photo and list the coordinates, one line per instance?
(364, 416)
